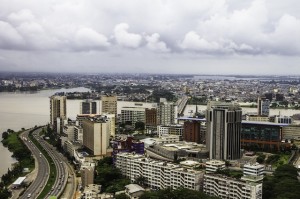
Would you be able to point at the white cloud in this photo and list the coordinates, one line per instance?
(154, 43)
(193, 41)
(89, 38)
(126, 39)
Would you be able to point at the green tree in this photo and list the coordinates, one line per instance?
(140, 126)
(122, 196)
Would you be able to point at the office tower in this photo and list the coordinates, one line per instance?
(166, 112)
(263, 106)
(96, 134)
(223, 130)
(58, 112)
(109, 104)
(88, 107)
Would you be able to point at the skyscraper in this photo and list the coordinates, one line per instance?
(166, 112)
(109, 104)
(223, 130)
(88, 107)
(58, 112)
(263, 106)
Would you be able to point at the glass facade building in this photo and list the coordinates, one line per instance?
(261, 135)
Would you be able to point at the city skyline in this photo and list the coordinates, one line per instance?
(252, 37)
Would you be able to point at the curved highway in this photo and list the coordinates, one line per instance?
(43, 174)
(43, 168)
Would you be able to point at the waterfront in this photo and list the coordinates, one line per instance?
(25, 110)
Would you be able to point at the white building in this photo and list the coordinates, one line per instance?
(91, 191)
(229, 188)
(254, 169)
(170, 130)
(158, 174)
(213, 165)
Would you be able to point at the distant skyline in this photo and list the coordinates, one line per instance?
(249, 37)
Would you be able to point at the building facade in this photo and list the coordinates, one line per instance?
(132, 115)
(170, 130)
(158, 174)
(88, 107)
(229, 188)
(223, 130)
(96, 135)
(109, 104)
(263, 106)
(151, 117)
(58, 112)
(266, 136)
(166, 112)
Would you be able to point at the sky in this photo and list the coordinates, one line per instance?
(151, 36)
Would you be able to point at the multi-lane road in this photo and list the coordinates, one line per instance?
(42, 169)
(62, 169)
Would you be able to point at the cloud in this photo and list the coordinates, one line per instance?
(193, 41)
(154, 44)
(9, 37)
(126, 39)
(87, 38)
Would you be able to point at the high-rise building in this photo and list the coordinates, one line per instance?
(263, 106)
(166, 112)
(96, 134)
(58, 112)
(109, 104)
(88, 107)
(224, 130)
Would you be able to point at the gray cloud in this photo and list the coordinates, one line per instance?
(159, 31)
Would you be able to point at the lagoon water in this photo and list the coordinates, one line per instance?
(25, 110)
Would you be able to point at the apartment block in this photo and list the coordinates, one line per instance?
(230, 188)
(158, 174)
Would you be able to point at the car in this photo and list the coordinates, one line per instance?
(29, 195)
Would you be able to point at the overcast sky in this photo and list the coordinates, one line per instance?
(151, 36)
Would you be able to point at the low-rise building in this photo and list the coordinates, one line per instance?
(134, 191)
(230, 188)
(213, 165)
(254, 169)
